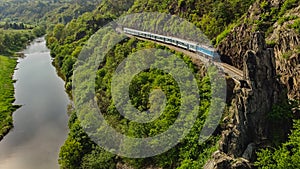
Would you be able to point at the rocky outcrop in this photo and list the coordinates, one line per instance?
(287, 54)
(273, 73)
(250, 107)
(286, 40)
(235, 45)
(289, 68)
(247, 125)
(223, 161)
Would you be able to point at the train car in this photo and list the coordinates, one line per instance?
(185, 44)
(182, 44)
(192, 46)
(132, 32)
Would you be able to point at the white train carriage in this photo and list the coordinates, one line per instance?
(192, 46)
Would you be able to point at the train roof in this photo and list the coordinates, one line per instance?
(182, 40)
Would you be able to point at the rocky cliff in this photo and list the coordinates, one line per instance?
(235, 46)
(247, 125)
(287, 53)
(270, 62)
(280, 36)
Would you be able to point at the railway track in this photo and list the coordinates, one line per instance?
(233, 70)
(228, 69)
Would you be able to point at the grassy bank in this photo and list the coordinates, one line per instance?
(7, 66)
(11, 41)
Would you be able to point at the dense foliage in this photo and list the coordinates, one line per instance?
(14, 40)
(287, 156)
(79, 152)
(214, 18)
(66, 41)
(271, 14)
(44, 11)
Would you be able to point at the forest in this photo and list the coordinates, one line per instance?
(69, 25)
(44, 11)
(66, 42)
(14, 40)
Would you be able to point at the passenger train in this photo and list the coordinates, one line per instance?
(192, 46)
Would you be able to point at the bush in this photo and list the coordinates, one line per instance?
(224, 34)
(288, 4)
(286, 156)
(287, 55)
(296, 25)
(271, 44)
(286, 18)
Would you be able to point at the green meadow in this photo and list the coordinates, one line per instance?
(7, 66)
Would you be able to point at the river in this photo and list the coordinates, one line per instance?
(40, 125)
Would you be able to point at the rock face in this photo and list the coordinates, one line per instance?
(287, 54)
(286, 49)
(250, 106)
(236, 44)
(248, 125)
(289, 69)
(273, 73)
(223, 161)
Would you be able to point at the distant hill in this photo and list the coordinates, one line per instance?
(29, 11)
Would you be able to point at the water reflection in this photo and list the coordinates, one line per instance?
(41, 123)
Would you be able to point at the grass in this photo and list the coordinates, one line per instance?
(296, 25)
(287, 18)
(287, 54)
(224, 34)
(7, 66)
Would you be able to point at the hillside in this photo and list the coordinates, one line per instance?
(262, 21)
(279, 21)
(44, 11)
(237, 139)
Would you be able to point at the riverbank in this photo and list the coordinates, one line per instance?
(40, 126)
(7, 67)
(11, 42)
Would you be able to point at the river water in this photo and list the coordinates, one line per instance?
(40, 125)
